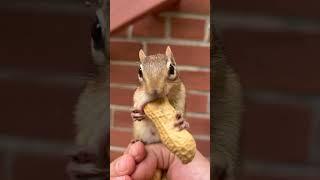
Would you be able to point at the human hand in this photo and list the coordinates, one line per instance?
(140, 162)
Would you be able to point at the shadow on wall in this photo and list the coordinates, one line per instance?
(274, 49)
(45, 60)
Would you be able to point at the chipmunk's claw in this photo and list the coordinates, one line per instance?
(181, 122)
(137, 115)
(136, 140)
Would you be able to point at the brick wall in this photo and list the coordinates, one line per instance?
(45, 59)
(273, 45)
(186, 29)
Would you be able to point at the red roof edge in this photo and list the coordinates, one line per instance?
(124, 12)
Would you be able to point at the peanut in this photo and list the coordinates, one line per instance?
(179, 142)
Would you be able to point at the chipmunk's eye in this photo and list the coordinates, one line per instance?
(140, 72)
(96, 34)
(172, 72)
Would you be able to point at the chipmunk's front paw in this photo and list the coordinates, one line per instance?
(137, 115)
(136, 140)
(181, 122)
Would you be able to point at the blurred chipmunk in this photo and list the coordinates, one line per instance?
(227, 110)
(91, 115)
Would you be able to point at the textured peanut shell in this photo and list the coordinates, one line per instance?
(163, 115)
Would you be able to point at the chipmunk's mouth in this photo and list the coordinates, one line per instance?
(151, 98)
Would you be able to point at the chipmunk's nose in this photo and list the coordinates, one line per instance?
(155, 93)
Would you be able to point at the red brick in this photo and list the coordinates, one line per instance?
(276, 132)
(124, 50)
(196, 80)
(185, 55)
(204, 147)
(271, 7)
(38, 110)
(124, 74)
(122, 119)
(194, 6)
(187, 28)
(61, 44)
(115, 154)
(32, 166)
(120, 33)
(282, 61)
(199, 126)
(125, 12)
(149, 26)
(197, 103)
(121, 96)
(120, 138)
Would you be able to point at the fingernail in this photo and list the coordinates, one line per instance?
(122, 164)
(133, 151)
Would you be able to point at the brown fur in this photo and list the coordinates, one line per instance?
(155, 77)
(91, 120)
(227, 108)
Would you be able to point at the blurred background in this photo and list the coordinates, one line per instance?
(44, 62)
(185, 27)
(274, 46)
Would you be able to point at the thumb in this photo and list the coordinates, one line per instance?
(122, 166)
(157, 157)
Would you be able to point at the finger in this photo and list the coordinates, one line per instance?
(121, 178)
(122, 166)
(146, 168)
(137, 150)
(157, 157)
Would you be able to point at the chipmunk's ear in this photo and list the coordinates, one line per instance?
(142, 56)
(169, 54)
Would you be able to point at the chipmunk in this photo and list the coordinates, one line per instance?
(227, 109)
(158, 77)
(88, 159)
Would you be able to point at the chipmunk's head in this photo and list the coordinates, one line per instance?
(98, 39)
(158, 73)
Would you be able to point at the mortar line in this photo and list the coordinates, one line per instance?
(117, 148)
(189, 68)
(202, 137)
(185, 15)
(111, 118)
(144, 48)
(167, 28)
(206, 37)
(129, 31)
(171, 41)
